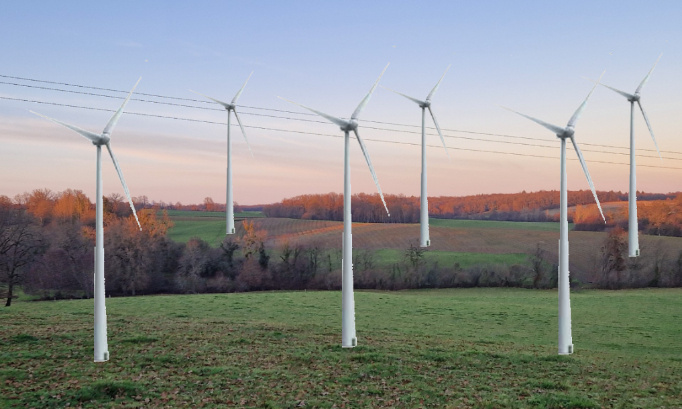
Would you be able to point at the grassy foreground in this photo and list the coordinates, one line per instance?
(481, 348)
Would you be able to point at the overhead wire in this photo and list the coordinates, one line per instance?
(282, 111)
(297, 119)
(313, 133)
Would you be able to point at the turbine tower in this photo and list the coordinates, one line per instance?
(633, 229)
(231, 107)
(565, 336)
(101, 346)
(424, 239)
(348, 335)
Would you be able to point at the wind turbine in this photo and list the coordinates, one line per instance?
(633, 236)
(101, 346)
(348, 335)
(565, 336)
(424, 240)
(231, 107)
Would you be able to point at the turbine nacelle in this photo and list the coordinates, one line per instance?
(103, 140)
(425, 104)
(634, 98)
(350, 126)
(569, 131)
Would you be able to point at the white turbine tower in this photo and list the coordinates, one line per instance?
(633, 233)
(565, 336)
(101, 346)
(424, 239)
(231, 107)
(348, 335)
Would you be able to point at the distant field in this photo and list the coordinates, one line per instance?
(449, 258)
(466, 348)
(492, 224)
(210, 226)
(449, 239)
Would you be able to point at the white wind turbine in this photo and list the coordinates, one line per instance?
(633, 236)
(424, 239)
(231, 107)
(348, 335)
(101, 345)
(565, 336)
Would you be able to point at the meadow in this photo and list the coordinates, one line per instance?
(458, 348)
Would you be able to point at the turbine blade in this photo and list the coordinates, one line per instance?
(420, 103)
(123, 182)
(224, 104)
(433, 91)
(623, 93)
(371, 168)
(337, 121)
(587, 175)
(88, 135)
(556, 129)
(114, 119)
(439, 132)
(236, 97)
(651, 131)
(582, 106)
(243, 132)
(365, 100)
(644, 81)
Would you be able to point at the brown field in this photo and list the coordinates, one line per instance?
(583, 246)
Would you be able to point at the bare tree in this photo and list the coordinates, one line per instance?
(20, 244)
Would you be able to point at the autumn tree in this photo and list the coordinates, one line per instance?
(612, 260)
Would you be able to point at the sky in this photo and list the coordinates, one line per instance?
(531, 56)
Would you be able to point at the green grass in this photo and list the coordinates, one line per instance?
(478, 348)
(492, 224)
(386, 257)
(209, 226)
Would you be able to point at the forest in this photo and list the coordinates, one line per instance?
(47, 243)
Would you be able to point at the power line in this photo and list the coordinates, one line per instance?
(288, 112)
(314, 133)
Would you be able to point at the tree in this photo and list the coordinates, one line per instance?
(613, 257)
(21, 243)
(537, 261)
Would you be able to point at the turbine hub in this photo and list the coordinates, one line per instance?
(568, 132)
(103, 140)
(634, 98)
(426, 104)
(350, 126)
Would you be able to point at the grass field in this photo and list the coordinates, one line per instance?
(386, 257)
(493, 224)
(209, 226)
(479, 348)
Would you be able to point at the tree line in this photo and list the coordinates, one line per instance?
(47, 246)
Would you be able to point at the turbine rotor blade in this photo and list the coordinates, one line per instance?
(651, 131)
(587, 175)
(433, 91)
(439, 132)
(337, 121)
(236, 97)
(556, 129)
(623, 93)
(582, 106)
(123, 182)
(365, 100)
(87, 134)
(371, 168)
(644, 81)
(243, 132)
(114, 119)
(224, 104)
(420, 103)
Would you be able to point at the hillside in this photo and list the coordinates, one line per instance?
(447, 236)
